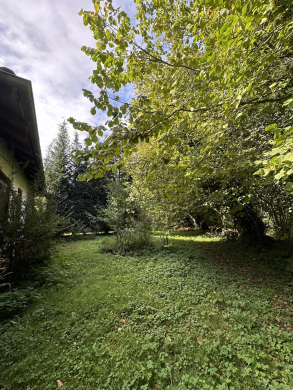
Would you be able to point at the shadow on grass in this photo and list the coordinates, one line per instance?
(261, 265)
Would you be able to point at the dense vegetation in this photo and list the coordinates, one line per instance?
(27, 230)
(205, 141)
(78, 201)
(208, 134)
(202, 313)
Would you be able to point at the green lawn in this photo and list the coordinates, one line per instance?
(201, 313)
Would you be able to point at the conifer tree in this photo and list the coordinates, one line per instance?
(80, 200)
(58, 166)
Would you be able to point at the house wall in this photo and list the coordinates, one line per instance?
(11, 169)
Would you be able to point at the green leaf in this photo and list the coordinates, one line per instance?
(271, 127)
(93, 111)
(89, 175)
(97, 7)
(280, 175)
(224, 28)
(289, 187)
(288, 102)
(100, 132)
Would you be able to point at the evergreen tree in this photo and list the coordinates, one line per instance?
(58, 166)
(78, 199)
(86, 197)
(57, 161)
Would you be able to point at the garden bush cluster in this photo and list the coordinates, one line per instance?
(26, 234)
(127, 218)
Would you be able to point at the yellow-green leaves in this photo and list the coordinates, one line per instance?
(96, 6)
(194, 66)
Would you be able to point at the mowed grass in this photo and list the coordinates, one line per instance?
(200, 314)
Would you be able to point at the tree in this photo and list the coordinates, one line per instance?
(76, 198)
(213, 84)
(125, 214)
(200, 67)
(58, 166)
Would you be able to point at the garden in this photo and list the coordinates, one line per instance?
(159, 253)
(200, 313)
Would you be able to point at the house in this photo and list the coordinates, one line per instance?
(20, 152)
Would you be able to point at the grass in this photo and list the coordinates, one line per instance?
(201, 313)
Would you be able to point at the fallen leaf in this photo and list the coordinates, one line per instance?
(59, 383)
(120, 329)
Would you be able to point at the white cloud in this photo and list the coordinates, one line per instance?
(41, 41)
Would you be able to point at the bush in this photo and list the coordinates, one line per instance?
(27, 232)
(126, 218)
(3, 271)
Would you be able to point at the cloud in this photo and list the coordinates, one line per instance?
(41, 41)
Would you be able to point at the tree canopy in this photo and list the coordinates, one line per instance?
(200, 69)
(211, 113)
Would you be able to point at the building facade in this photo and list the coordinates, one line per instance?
(20, 152)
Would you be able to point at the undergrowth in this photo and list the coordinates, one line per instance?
(200, 313)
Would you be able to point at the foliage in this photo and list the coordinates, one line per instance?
(234, 202)
(58, 163)
(4, 264)
(15, 301)
(212, 109)
(201, 70)
(126, 216)
(27, 232)
(201, 313)
(76, 199)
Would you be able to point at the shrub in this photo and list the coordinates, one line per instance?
(3, 271)
(125, 215)
(27, 232)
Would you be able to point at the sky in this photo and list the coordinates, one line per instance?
(41, 41)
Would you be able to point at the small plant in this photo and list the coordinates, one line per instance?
(126, 217)
(3, 272)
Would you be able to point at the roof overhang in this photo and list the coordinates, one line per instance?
(18, 123)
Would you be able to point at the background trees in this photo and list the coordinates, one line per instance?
(76, 199)
(213, 83)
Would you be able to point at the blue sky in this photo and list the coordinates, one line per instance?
(41, 41)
